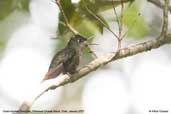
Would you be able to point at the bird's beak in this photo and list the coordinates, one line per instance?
(93, 44)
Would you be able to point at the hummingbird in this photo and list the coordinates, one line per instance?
(67, 60)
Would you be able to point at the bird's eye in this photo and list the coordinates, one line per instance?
(79, 40)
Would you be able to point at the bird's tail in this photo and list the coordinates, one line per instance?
(53, 73)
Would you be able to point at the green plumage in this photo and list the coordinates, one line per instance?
(67, 59)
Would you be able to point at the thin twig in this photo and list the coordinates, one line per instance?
(100, 20)
(92, 52)
(121, 26)
(65, 18)
(62, 23)
(165, 18)
(114, 9)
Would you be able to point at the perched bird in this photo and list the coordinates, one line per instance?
(67, 59)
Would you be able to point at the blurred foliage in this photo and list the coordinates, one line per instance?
(1, 45)
(135, 22)
(81, 19)
(8, 6)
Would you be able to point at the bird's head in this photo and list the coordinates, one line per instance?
(77, 41)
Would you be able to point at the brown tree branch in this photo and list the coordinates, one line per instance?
(101, 61)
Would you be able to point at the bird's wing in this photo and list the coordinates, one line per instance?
(70, 54)
(56, 68)
(53, 72)
(57, 59)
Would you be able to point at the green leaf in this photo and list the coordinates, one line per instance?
(79, 19)
(102, 5)
(135, 23)
(87, 28)
(68, 8)
(8, 6)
